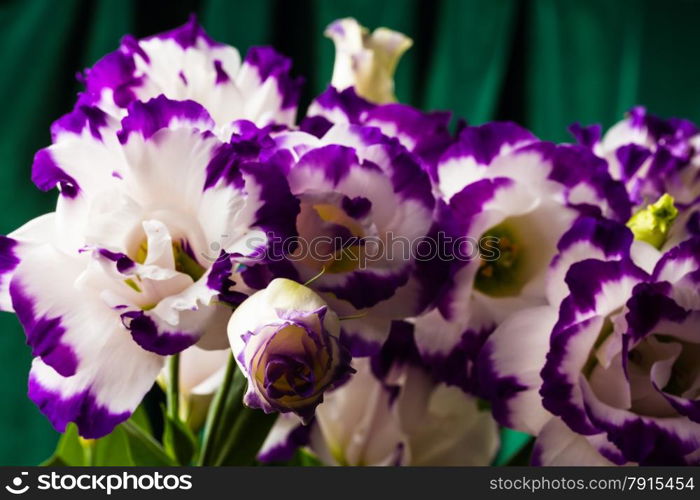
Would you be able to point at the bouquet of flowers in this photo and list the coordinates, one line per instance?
(221, 283)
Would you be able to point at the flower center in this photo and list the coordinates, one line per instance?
(185, 262)
(653, 223)
(503, 253)
(649, 365)
(331, 239)
(605, 332)
(336, 215)
(684, 380)
(291, 365)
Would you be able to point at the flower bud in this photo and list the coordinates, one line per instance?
(285, 341)
(653, 223)
(366, 61)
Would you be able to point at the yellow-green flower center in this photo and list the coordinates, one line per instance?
(503, 253)
(653, 223)
(184, 262)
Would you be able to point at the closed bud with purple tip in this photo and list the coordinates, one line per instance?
(285, 341)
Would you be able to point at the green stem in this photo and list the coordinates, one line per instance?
(89, 451)
(173, 394)
(215, 411)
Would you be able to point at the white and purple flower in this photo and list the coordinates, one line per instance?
(285, 340)
(186, 64)
(610, 376)
(426, 135)
(366, 203)
(124, 272)
(651, 155)
(506, 199)
(392, 412)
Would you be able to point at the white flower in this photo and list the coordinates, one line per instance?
(366, 61)
(407, 420)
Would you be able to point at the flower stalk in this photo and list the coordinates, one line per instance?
(173, 389)
(216, 411)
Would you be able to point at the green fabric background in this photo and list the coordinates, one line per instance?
(544, 63)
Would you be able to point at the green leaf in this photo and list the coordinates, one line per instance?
(113, 450)
(513, 444)
(308, 459)
(69, 450)
(241, 445)
(179, 441)
(233, 434)
(128, 444)
(524, 456)
(144, 449)
(140, 418)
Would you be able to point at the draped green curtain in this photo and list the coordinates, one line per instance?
(543, 63)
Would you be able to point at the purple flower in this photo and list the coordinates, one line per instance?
(286, 341)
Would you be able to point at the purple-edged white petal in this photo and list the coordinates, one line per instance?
(510, 365)
(598, 290)
(59, 321)
(477, 147)
(652, 156)
(425, 134)
(648, 440)
(588, 238)
(557, 445)
(18, 244)
(186, 64)
(102, 393)
(285, 438)
(88, 370)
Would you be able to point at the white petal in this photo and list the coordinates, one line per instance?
(557, 445)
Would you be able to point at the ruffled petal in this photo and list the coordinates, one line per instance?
(509, 368)
(102, 393)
